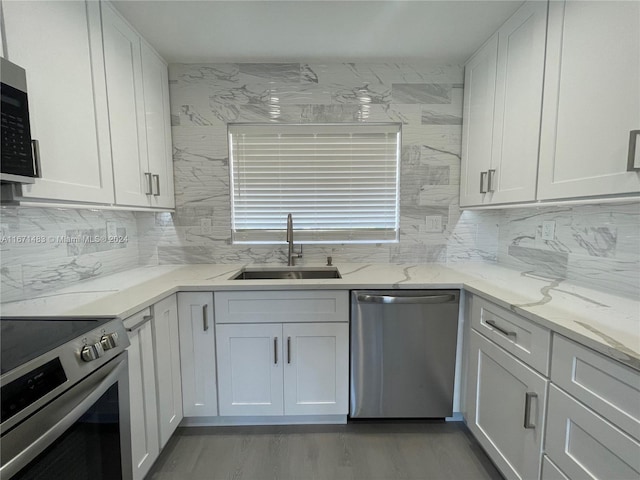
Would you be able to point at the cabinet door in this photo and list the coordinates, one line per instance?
(250, 369)
(477, 128)
(157, 115)
(518, 105)
(316, 368)
(59, 43)
(142, 401)
(197, 354)
(166, 346)
(585, 445)
(123, 65)
(502, 394)
(591, 99)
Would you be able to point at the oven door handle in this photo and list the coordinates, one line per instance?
(23, 459)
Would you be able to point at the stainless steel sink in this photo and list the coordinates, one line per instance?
(286, 273)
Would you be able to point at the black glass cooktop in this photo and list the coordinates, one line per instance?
(23, 339)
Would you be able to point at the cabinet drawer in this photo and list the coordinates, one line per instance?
(137, 319)
(584, 445)
(282, 306)
(521, 337)
(610, 388)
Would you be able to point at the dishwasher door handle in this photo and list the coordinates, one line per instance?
(424, 299)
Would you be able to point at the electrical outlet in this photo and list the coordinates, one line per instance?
(206, 226)
(549, 230)
(112, 229)
(433, 223)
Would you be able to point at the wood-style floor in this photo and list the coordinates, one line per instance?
(362, 451)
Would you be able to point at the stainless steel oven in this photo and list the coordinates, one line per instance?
(65, 408)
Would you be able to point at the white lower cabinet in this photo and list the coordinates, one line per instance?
(197, 354)
(283, 369)
(166, 347)
(316, 368)
(585, 445)
(142, 394)
(506, 407)
(250, 369)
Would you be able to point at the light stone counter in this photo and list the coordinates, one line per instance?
(604, 322)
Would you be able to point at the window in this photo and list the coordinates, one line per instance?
(339, 182)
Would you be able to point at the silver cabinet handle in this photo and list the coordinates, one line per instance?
(205, 317)
(156, 182)
(483, 177)
(633, 163)
(147, 176)
(35, 151)
(275, 350)
(491, 174)
(527, 409)
(507, 333)
(365, 298)
(144, 320)
(288, 349)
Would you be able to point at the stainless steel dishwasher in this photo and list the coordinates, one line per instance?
(403, 353)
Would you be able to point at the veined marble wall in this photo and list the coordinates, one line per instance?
(43, 249)
(426, 99)
(595, 245)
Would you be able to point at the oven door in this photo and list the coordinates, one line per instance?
(84, 433)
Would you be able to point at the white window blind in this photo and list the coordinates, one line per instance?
(339, 181)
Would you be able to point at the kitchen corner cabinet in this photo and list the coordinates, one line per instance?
(142, 394)
(591, 99)
(138, 99)
(59, 44)
(502, 109)
(197, 354)
(166, 347)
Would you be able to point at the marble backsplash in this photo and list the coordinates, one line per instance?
(426, 99)
(42, 249)
(597, 246)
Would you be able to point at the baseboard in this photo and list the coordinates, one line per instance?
(264, 420)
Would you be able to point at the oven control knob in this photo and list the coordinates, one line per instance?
(109, 341)
(91, 352)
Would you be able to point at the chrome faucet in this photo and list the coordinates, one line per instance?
(292, 254)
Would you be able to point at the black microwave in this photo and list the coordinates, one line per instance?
(19, 158)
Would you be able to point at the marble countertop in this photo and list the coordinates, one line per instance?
(607, 323)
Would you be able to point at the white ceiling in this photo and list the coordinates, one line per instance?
(316, 30)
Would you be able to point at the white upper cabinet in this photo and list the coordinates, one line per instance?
(591, 99)
(59, 44)
(138, 98)
(477, 128)
(502, 108)
(516, 130)
(155, 79)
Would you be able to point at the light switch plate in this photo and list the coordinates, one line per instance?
(205, 226)
(549, 230)
(433, 223)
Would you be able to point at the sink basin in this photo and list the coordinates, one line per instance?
(286, 273)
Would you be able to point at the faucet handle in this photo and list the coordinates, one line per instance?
(329, 260)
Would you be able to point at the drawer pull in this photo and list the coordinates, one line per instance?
(506, 333)
(527, 409)
(275, 350)
(288, 349)
(205, 318)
